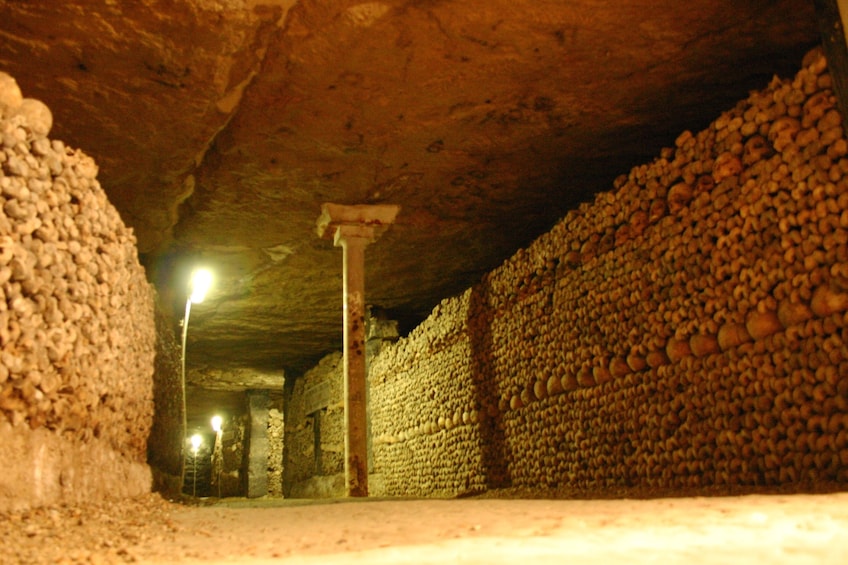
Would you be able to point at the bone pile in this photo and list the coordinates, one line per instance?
(276, 430)
(76, 322)
(685, 329)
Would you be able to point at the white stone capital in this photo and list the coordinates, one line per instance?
(367, 221)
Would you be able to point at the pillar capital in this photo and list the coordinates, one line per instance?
(346, 232)
(365, 221)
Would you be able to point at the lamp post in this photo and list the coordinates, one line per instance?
(196, 440)
(217, 455)
(201, 280)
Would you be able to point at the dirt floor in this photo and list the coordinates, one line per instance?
(496, 528)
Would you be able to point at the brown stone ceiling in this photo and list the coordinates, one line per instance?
(220, 127)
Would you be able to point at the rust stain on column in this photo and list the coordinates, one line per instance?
(356, 442)
(353, 228)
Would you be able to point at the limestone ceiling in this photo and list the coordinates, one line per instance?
(221, 126)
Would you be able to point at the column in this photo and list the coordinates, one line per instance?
(356, 424)
(353, 228)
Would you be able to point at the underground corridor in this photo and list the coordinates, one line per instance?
(423, 282)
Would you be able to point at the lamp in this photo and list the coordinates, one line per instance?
(199, 284)
(196, 440)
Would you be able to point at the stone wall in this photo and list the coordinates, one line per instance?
(77, 334)
(233, 480)
(305, 472)
(164, 453)
(685, 329)
(257, 446)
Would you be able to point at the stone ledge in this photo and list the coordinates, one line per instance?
(43, 469)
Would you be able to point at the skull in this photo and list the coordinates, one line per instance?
(816, 106)
(589, 249)
(756, 149)
(815, 60)
(705, 183)
(638, 222)
(657, 210)
(679, 197)
(726, 165)
(607, 242)
(36, 115)
(783, 131)
(622, 234)
(10, 93)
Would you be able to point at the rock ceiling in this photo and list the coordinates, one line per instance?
(221, 126)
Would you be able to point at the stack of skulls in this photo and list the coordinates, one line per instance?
(425, 401)
(77, 333)
(687, 328)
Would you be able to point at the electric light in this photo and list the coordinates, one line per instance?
(196, 440)
(216, 423)
(201, 281)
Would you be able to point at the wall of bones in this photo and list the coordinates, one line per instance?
(686, 328)
(77, 332)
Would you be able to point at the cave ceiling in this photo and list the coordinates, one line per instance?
(220, 128)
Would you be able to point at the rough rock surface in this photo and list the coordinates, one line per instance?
(221, 127)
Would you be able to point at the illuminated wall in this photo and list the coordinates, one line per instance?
(687, 328)
(313, 456)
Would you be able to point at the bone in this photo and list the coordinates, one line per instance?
(685, 328)
(79, 339)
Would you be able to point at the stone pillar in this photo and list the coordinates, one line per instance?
(353, 228)
(257, 455)
(356, 418)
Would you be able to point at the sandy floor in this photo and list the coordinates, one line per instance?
(763, 529)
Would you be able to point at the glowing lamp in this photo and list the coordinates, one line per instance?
(201, 281)
(196, 440)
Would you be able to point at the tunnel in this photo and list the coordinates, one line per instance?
(652, 368)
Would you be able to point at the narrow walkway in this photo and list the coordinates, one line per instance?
(768, 529)
(796, 529)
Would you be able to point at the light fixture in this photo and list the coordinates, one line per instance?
(196, 440)
(216, 423)
(199, 284)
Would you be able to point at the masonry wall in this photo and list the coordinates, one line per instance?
(77, 335)
(687, 328)
(307, 473)
(233, 479)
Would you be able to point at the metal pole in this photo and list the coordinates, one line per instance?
(194, 487)
(183, 394)
(217, 459)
